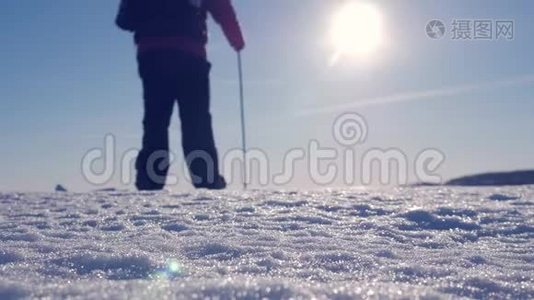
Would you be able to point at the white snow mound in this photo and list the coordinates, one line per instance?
(430, 242)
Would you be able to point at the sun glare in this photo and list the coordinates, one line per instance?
(356, 30)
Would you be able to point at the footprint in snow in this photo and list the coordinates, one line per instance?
(175, 227)
(7, 257)
(501, 197)
(113, 227)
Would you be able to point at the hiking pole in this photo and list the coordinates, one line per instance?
(243, 124)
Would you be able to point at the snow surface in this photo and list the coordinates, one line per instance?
(430, 242)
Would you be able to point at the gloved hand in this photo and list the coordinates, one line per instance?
(237, 42)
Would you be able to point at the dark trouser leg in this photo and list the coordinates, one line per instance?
(197, 133)
(153, 161)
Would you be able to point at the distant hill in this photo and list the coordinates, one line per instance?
(495, 179)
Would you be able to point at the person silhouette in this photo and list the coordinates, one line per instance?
(171, 38)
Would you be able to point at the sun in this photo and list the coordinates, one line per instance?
(356, 30)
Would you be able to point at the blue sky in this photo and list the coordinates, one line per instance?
(69, 77)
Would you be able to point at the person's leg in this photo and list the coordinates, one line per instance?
(153, 161)
(197, 132)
